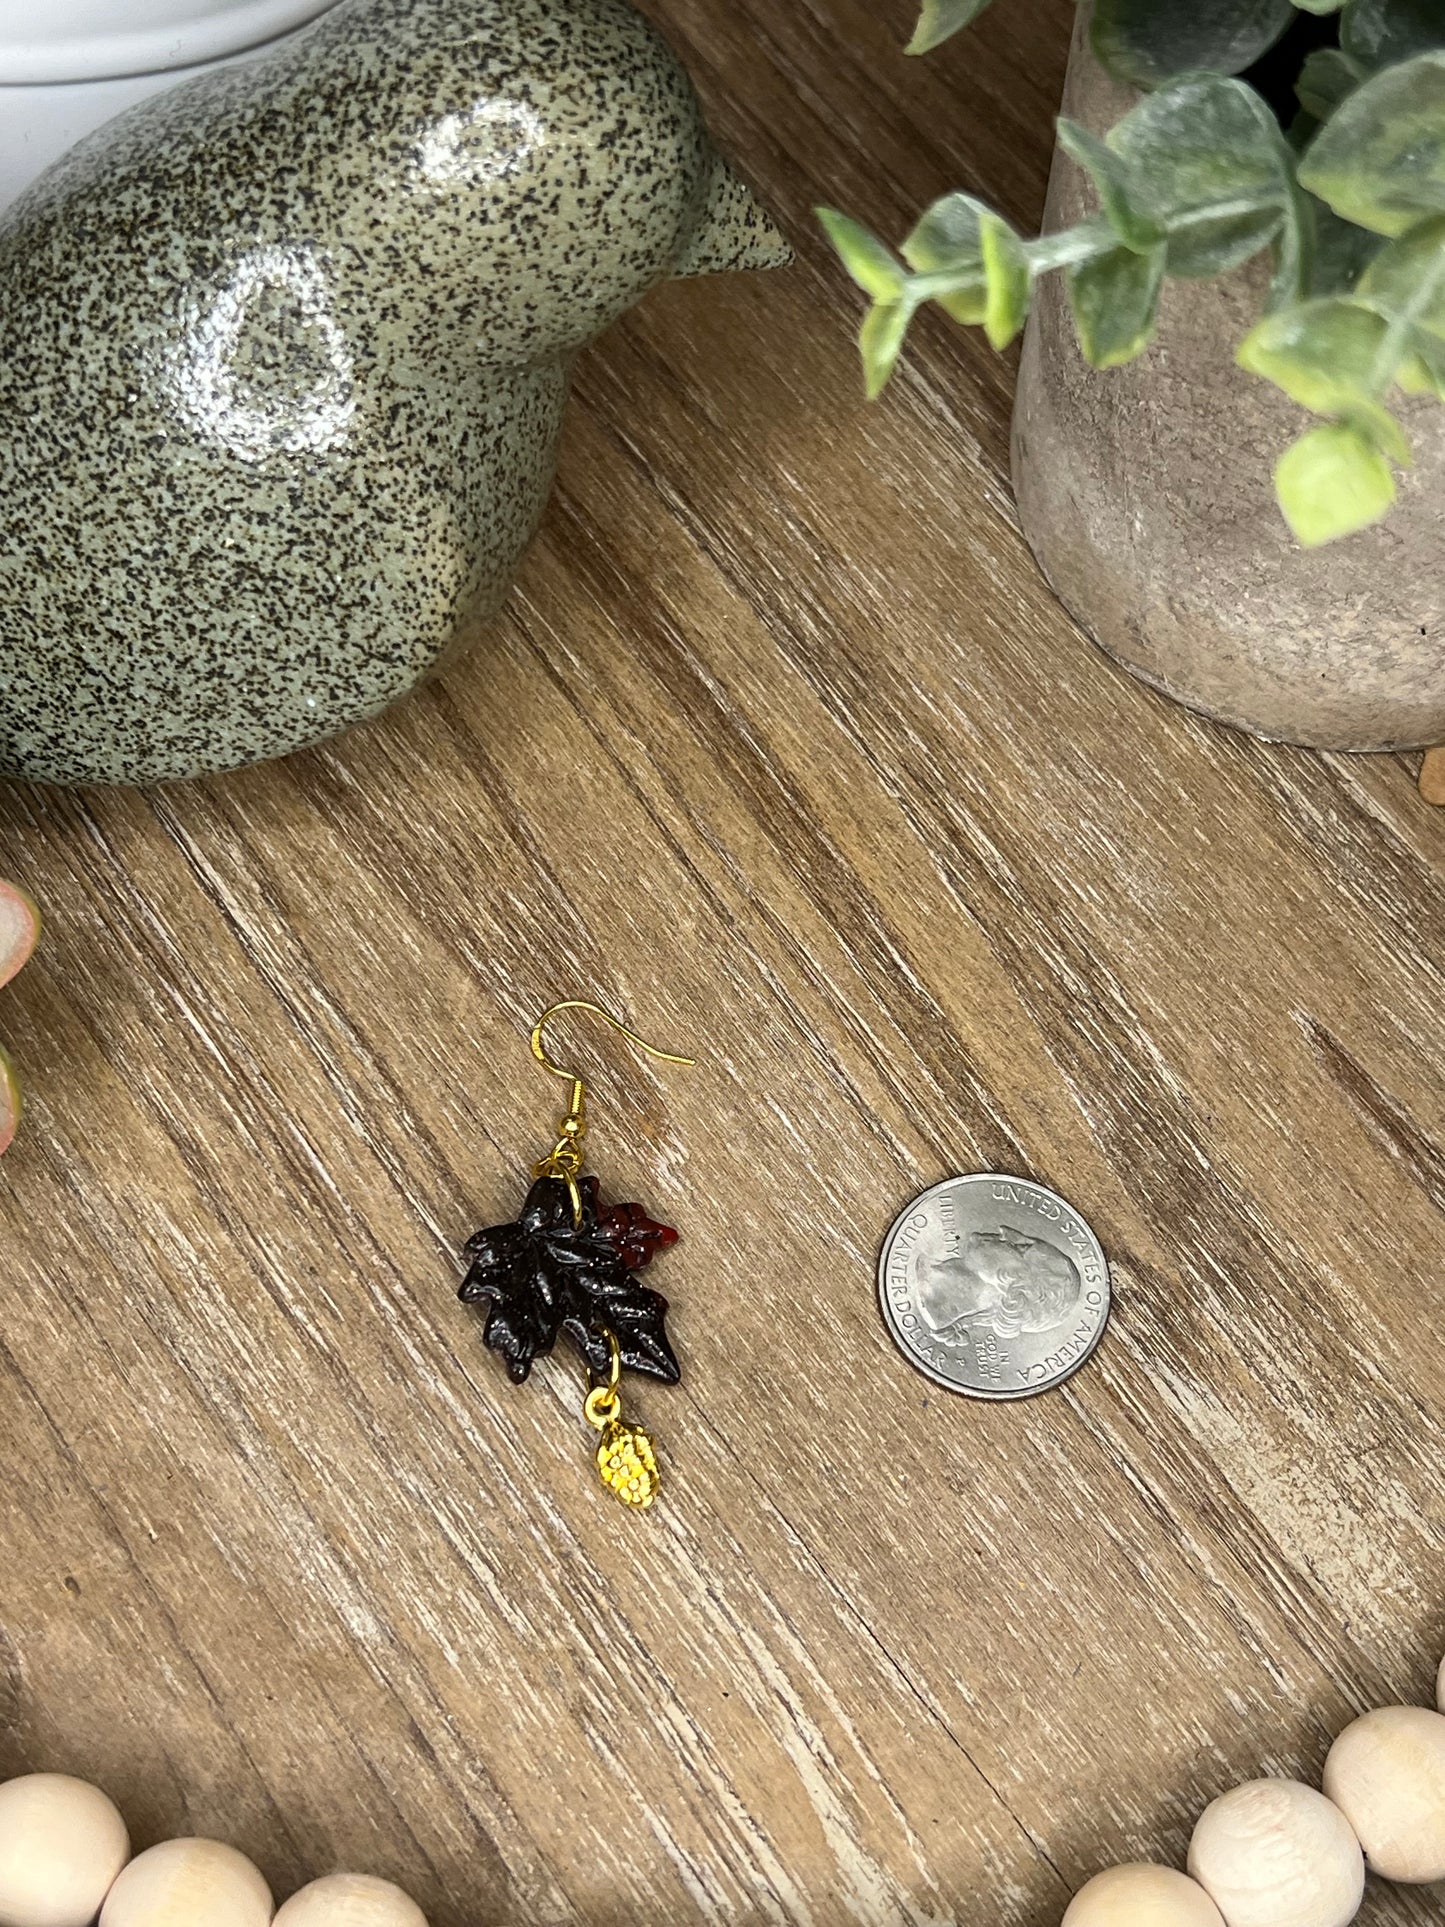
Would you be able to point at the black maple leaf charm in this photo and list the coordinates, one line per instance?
(547, 1274)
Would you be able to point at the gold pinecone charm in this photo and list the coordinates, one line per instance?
(626, 1456)
(627, 1461)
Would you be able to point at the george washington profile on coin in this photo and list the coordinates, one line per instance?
(1005, 1281)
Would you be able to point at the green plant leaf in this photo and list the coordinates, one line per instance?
(1341, 251)
(946, 242)
(966, 302)
(949, 242)
(1406, 279)
(881, 341)
(1210, 167)
(1422, 372)
(1379, 33)
(1007, 279)
(1148, 42)
(946, 237)
(871, 264)
(1379, 160)
(1319, 6)
(1114, 299)
(1321, 353)
(1334, 358)
(940, 20)
(1405, 286)
(1114, 184)
(1380, 429)
(1325, 79)
(1330, 483)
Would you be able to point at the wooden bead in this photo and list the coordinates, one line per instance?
(350, 1900)
(1275, 1853)
(1432, 776)
(62, 1843)
(1142, 1895)
(184, 1882)
(1386, 1774)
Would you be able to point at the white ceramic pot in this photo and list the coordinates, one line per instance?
(67, 68)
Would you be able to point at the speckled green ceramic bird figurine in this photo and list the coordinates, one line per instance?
(283, 357)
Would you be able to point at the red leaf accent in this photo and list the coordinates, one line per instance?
(637, 1237)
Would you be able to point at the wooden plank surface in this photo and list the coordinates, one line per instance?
(785, 751)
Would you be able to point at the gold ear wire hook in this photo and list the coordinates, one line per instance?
(539, 1049)
(565, 1159)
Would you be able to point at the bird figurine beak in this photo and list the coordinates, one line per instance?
(733, 234)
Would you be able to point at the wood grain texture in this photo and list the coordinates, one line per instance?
(784, 751)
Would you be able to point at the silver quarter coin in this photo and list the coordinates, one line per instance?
(994, 1286)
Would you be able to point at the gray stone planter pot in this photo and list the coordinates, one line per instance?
(1146, 495)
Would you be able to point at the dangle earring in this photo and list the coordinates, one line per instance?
(568, 1265)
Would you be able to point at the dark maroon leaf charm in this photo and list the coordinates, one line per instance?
(546, 1274)
(637, 1237)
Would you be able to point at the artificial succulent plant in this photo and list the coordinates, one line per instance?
(1339, 176)
(19, 931)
